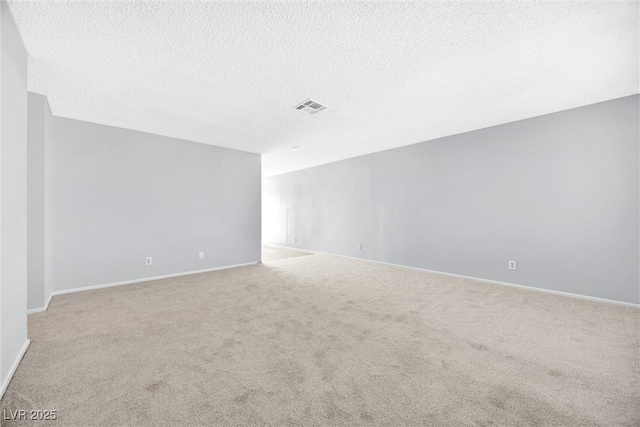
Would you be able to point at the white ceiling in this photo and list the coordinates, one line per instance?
(392, 74)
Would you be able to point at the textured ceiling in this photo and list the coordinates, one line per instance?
(392, 74)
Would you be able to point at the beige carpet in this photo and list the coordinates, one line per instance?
(321, 340)
(270, 253)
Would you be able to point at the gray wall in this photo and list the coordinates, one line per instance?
(557, 193)
(119, 196)
(48, 202)
(13, 195)
(36, 200)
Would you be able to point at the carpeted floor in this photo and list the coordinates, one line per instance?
(271, 253)
(322, 340)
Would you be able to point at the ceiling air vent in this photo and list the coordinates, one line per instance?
(310, 106)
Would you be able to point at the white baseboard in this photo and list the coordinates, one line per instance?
(15, 365)
(129, 282)
(39, 309)
(148, 279)
(495, 282)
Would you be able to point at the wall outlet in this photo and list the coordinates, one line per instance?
(513, 265)
(148, 260)
(359, 246)
(201, 255)
(295, 240)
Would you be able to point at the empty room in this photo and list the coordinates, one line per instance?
(319, 213)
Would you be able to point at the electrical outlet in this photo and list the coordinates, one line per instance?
(359, 246)
(295, 240)
(513, 265)
(148, 260)
(201, 255)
